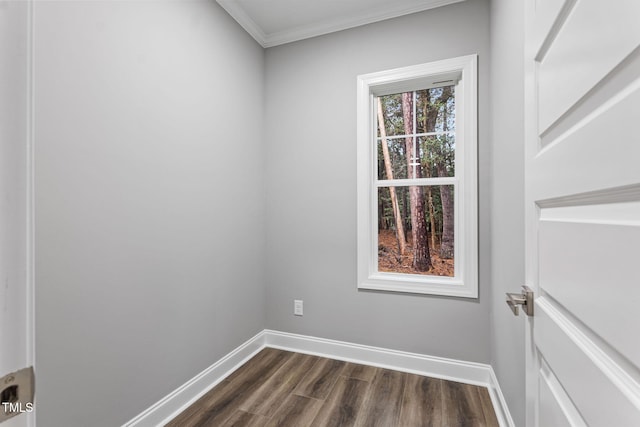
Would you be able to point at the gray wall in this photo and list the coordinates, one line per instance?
(311, 186)
(152, 173)
(13, 185)
(507, 202)
(149, 201)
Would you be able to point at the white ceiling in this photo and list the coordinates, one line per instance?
(275, 22)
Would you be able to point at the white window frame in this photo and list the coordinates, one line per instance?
(462, 70)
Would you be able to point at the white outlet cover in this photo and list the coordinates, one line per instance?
(297, 307)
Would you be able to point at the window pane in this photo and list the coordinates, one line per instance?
(396, 160)
(404, 151)
(436, 110)
(437, 155)
(416, 230)
(391, 115)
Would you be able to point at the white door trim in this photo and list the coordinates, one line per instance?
(30, 209)
(530, 224)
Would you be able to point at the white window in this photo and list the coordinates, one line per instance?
(417, 179)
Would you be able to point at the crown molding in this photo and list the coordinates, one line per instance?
(236, 11)
(392, 10)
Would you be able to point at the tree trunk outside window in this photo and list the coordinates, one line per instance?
(421, 255)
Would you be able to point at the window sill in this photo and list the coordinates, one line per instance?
(443, 286)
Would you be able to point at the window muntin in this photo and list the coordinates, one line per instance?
(431, 150)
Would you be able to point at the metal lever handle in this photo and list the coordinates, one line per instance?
(513, 300)
(525, 299)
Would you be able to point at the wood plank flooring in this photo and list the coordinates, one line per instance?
(279, 389)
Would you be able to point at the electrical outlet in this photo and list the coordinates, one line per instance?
(297, 307)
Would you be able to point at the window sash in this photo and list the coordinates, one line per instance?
(445, 180)
(420, 278)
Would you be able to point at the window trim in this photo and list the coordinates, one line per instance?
(463, 70)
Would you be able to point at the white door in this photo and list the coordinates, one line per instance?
(16, 349)
(582, 118)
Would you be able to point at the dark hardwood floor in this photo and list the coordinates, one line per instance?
(281, 388)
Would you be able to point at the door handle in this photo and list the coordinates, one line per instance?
(524, 299)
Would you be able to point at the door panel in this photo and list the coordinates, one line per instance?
(595, 153)
(594, 39)
(593, 380)
(549, 14)
(582, 179)
(606, 290)
(556, 408)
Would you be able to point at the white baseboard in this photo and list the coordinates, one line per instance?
(437, 367)
(499, 403)
(432, 366)
(180, 399)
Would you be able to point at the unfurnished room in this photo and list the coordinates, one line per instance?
(389, 213)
